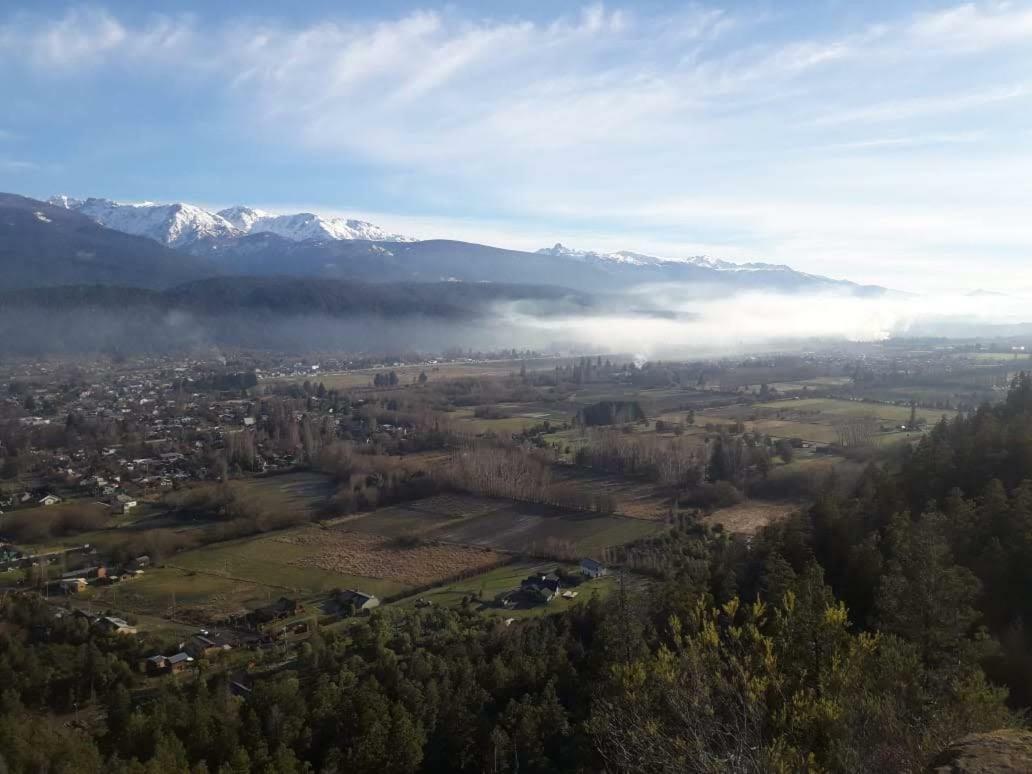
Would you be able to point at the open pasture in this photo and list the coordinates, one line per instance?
(499, 524)
(815, 383)
(832, 409)
(277, 561)
(750, 517)
(524, 527)
(1020, 359)
(301, 492)
(815, 419)
(340, 552)
(188, 596)
(418, 517)
(637, 499)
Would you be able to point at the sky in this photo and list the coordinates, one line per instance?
(882, 142)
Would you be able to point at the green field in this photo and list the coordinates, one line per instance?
(209, 583)
(816, 419)
(269, 562)
(832, 409)
(501, 524)
(301, 493)
(1019, 358)
(816, 383)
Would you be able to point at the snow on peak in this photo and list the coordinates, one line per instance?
(180, 224)
(171, 224)
(623, 256)
(64, 202)
(639, 259)
(307, 225)
(241, 217)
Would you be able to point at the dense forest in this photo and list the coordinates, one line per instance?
(862, 634)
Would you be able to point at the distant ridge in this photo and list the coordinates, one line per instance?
(249, 242)
(44, 245)
(180, 224)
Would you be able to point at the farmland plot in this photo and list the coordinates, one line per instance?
(372, 556)
(524, 527)
(420, 516)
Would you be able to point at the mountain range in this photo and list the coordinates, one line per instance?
(95, 275)
(75, 241)
(181, 225)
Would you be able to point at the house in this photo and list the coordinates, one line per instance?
(550, 582)
(49, 500)
(125, 506)
(180, 662)
(281, 608)
(162, 665)
(73, 585)
(540, 588)
(356, 600)
(593, 569)
(100, 571)
(156, 665)
(202, 645)
(112, 625)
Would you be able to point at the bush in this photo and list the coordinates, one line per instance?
(721, 494)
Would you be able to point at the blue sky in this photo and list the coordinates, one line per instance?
(883, 142)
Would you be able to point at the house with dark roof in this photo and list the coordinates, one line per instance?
(593, 569)
(111, 625)
(356, 601)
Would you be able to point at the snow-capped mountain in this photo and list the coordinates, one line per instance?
(182, 225)
(306, 225)
(175, 225)
(243, 218)
(628, 258)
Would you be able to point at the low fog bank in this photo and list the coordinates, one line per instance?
(668, 321)
(657, 321)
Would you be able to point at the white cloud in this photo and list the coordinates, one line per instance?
(974, 27)
(89, 37)
(866, 152)
(18, 165)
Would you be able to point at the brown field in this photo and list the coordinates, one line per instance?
(637, 499)
(419, 516)
(750, 517)
(524, 527)
(499, 524)
(372, 556)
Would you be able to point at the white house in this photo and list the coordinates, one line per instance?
(593, 569)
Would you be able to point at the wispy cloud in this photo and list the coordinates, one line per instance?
(837, 148)
(18, 165)
(975, 27)
(90, 36)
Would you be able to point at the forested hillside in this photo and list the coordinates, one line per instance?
(866, 633)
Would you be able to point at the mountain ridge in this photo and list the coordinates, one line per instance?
(179, 224)
(45, 245)
(210, 244)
